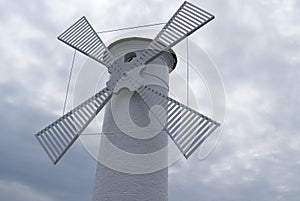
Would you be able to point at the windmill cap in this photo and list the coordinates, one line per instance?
(123, 46)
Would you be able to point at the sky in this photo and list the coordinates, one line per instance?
(256, 48)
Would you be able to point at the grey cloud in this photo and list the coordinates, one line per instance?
(257, 156)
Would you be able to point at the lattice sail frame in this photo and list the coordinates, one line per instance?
(186, 20)
(82, 37)
(58, 137)
(186, 127)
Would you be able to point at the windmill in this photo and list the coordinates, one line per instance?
(187, 128)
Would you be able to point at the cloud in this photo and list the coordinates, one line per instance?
(256, 48)
(16, 191)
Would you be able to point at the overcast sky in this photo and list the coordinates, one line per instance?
(256, 48)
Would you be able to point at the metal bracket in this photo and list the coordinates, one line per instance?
(131, 80)
(125, 75)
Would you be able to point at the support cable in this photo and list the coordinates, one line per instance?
(187, 73)
(135, 27)
(69, 81)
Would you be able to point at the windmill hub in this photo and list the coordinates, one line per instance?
(124, 75)
(131, 80)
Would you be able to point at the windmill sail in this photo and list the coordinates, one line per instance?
(82, 37)
(185, 126)
(57, 138)
(187, 19)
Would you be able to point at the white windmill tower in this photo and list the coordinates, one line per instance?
(139, 70)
